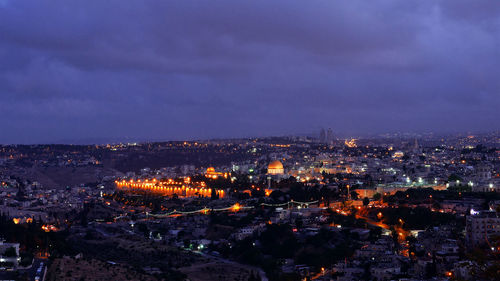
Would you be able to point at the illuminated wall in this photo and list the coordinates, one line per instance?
(169, 188)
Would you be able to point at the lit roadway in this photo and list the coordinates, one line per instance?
(402, 234)
(34, 273)
(320, 274)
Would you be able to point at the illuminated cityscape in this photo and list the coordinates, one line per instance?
(419, 206)
(249, 140)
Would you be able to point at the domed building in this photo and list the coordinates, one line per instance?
(211, 173)
(275, 168)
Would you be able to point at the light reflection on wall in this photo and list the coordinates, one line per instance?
(169, 188)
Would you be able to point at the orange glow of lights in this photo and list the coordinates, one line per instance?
(211, 173)
(49, 228)
(351, 143)
(170, 187)
(236, 207)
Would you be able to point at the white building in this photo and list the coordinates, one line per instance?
(8, 258)
(481, 226)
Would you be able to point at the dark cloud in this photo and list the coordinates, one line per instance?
(198, 69)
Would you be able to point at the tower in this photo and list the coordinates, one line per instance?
(329, 136)
(416, 147)
(322, 136)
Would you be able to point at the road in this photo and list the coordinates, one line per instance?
(321, 274)
(33, 272)
(261, 272)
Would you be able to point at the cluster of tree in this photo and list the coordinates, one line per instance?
(278, 242)
(139, 198)
(32, 238)
(414, 218)
(431, 196)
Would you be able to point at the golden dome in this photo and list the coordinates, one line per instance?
(275, 165)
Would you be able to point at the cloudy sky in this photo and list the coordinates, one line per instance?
(84, 70)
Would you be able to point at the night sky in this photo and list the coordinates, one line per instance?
(170, 70)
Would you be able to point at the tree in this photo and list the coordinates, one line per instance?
(366, 201)
(142, 227)
(276, 195)
(436, 205)
(214, 194)
(299, 223)
(278, 241)
(258, 193)
(84, 219)
(354, 195)
(377, 196)
(454, 177)
(254, 277)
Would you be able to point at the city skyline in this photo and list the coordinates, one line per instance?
(249, 140)
(153, 70)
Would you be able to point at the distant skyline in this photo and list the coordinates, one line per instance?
(173, 70)
(314, 135)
